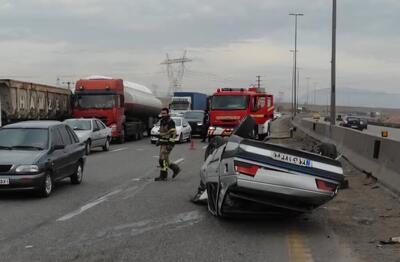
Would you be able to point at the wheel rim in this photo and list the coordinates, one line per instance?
(79, 173)
(48, 184)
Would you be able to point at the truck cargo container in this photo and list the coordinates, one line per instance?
(20, 101)
(185, 101)
(128, 108)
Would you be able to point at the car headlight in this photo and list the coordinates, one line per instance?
(27, 169)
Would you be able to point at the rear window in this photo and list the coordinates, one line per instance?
(79, 125)
(24, 138)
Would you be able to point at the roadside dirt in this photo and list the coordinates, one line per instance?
(363, 214)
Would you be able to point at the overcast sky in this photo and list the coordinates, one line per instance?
(229, 41)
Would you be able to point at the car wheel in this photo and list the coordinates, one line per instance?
(106, 146)
(47, 186)
(189, 138)
(88, 146)
(77, 177)
(181, 138)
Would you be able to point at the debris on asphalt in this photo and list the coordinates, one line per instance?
(391, 241)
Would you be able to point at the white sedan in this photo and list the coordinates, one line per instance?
(92, 132)
(183, 130)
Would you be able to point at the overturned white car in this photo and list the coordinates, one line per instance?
(243, 176)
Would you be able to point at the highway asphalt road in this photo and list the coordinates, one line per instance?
(120, 214)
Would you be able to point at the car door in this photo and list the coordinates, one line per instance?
(77, 148)
(57, 157)
(96, 136)
(70, 162)
(102, 132)
(186, 129)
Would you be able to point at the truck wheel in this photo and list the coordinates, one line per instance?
(88, 145)
(106, 146)
(121, 139)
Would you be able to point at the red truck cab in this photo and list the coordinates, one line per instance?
(102, 99)
(228, 106)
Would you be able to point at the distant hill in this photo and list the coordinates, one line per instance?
(355, 98)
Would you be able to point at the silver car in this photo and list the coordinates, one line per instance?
(243, 176)
(92, 132)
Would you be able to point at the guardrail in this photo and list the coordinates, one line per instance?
(375, 155)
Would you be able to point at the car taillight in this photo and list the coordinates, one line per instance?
(246, 168)
(113, 127)
(326, 186)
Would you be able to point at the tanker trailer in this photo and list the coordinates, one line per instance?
(128, 108)
(22, 101)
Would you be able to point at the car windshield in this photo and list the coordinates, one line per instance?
(179, 105)
(178, 121)
(229, 102)
(23, 138)
(96, 101)
(78, 125)
(194, 115)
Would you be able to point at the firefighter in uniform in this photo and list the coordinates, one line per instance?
(166, 142)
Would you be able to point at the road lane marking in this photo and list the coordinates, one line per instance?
(88, 206)
(119, 149)
(139, 149)
(204, 147)
(155, 156)
(298, 251)
(180, 160)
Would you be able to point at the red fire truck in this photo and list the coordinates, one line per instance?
(228, 106)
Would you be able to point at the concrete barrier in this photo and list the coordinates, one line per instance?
(375, 155)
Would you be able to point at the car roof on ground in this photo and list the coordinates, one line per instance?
(34, 124)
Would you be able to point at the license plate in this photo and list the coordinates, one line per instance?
(292, 159)
(4, 181)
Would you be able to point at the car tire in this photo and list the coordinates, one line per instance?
(328, 150)
(77, 177)
(106, 146)
(88, 146)
(189, 138)
(46, 187)
(181, 138)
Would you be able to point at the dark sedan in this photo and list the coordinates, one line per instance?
(195, 119)
(355, 123)
(35, 154)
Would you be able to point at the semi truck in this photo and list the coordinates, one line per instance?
(228, 106)
(20, 101)
(186, 101)
(129, 109)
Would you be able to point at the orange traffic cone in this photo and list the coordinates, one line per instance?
(192, 145)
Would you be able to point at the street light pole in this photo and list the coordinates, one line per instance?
(295, 59)
(333, 67)
(293, 80)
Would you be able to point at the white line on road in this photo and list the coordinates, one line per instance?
(88, 206)
(204, 147)
(179, 161)
(119, 149)
(155, 156)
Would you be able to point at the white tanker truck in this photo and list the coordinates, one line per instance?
(128, 108)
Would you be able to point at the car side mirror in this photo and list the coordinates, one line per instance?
(96, 129)
(57, 147)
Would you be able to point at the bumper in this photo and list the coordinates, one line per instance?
(219, 131)
(154, 138)
(22, 182)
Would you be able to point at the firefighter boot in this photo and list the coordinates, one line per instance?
(175, 168)
(162, 177)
